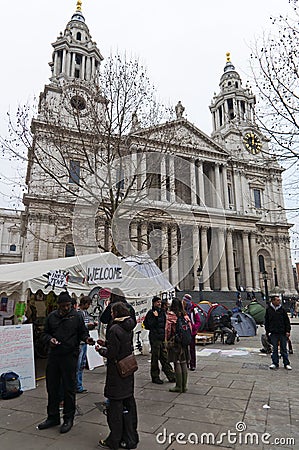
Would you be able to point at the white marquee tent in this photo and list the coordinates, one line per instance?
(84, 273)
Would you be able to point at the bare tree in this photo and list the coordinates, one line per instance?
(274, 61)
(90, 146)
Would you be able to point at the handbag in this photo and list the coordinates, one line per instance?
(127, 366)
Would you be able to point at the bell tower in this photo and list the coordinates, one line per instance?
(75, 55)
(233, 108)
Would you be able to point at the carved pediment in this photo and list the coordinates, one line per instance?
(182, 133)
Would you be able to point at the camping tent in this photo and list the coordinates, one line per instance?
(82, 273)
(243, 323)
(257, 311)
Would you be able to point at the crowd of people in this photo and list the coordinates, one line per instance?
(172, 330)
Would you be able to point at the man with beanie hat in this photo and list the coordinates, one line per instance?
(64, 329)
(155, 321)
(192, 311)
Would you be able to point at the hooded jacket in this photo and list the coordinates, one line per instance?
(119, 344)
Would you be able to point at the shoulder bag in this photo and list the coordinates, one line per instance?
(127, 366)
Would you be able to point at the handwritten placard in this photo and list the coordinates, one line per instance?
(93, 357)
(16, 353)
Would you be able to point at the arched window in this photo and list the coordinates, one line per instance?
(69, 249)
(78, 37)
(261, 263)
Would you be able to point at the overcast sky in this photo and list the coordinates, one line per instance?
(182, 43)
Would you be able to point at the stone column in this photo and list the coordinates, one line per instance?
(73, 65)
(230, 260)
(143, 237)
(164, 248)
(174, 257)
(134, 237)
(201, 185)
(55, 64)
(288, 267)
(217, 186)
(225, 189)
(254, 261)
(142, 173)
(172, 178)
(196, 255)
(222, 260)
(193, 181)
(68, 64)
(237, 189)
(101, 237)
(247, 262)
(205, 259)
(92, 68)
(83, 76)
(163, 179)
(133, 171)
(64, 61)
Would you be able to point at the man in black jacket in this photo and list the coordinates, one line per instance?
(64, 329)
(278, 327)
(154, 321)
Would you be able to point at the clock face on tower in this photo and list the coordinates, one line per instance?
(252, 142)
(76, 100)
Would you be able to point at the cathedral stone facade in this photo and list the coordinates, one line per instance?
(213, 219)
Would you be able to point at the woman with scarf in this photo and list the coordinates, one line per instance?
(192, 311)
(121, 412)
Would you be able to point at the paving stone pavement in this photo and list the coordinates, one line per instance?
(223, 408)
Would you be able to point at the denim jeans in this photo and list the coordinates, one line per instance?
(80, 366)
(275, 338)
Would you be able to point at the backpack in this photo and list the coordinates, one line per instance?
(182, 332)
(10, 385)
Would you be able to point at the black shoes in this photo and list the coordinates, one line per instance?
(66, 426)
(157, 381)
(48, 423)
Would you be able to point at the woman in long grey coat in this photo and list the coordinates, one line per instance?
(121, 412)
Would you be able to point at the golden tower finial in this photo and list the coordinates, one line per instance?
(228, 57)
(79, 4)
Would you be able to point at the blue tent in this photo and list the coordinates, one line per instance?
(244, 324)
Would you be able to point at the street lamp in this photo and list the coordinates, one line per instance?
(265, 278)
(275, 277)
(200, 283)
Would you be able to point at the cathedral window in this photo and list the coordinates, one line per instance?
(78, 58)
(120, 182)
(261, 263)
(77, 73)
(242, 109)
(257, 198)
(78, 37)
(74, 172)
(230, 194)
(220, 116)
(12, 248)
(69, 250)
